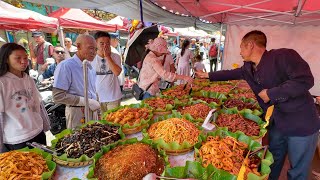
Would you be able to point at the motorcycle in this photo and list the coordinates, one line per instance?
(56, 112)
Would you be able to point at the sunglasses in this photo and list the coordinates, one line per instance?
(60, 52)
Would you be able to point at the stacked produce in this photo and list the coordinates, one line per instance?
(174, 130)
(240, 104)
(159, 103)
(88, 140)
(199, 110)
(128, 115)
(129, 162)
(236, 122)
(223, 153)
(223, 89)
(22, 165)
(179, 92)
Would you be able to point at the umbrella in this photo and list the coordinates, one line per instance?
(136, 49)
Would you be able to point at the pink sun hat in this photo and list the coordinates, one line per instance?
(158, 45)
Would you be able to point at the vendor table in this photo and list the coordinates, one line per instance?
(66, 173)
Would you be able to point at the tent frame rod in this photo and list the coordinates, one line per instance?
(267, 19)
(301, 22)
(311, 12)
(252, 8)
(299, 8)
(236, 8)
(255, 17)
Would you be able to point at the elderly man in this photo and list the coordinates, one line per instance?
(68, 87)
(58, 56)
(41, 51)
(280, 77)
(70, 49)
(108, 67)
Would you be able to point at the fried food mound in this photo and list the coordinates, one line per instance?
(129, 162)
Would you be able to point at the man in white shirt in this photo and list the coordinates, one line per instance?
(108, 67)
(68, 86)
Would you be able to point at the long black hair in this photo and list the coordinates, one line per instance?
(184, 46)
(5, 51)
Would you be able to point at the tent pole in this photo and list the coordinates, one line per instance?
(141, 11)
(219, 47)
(61, 37)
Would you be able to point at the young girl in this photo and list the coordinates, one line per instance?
(22, 115)
(198, 65)
(183, 60)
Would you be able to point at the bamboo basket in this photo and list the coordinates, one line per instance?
(133, 130)
(72, 164)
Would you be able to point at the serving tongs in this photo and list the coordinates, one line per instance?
(249, 154)
(44, 148)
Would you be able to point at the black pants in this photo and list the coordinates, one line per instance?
(215, 62)
(40, 138)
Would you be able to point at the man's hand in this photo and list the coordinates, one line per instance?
(94, 105)
(264, 96)
(107, 51)
(44, 67)
(318, 100)
(202, 75)
(188, 79)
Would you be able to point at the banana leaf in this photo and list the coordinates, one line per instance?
(202, 82)
(208, 94)
(246, 113)
(48, 158)
(173, 145)
(127, 126)
(108, 148)
(197, 171)
(257, 111)
(232, 93)
(84, 157)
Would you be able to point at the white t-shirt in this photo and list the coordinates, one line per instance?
(121, 76)
(107, 83)
(20, 103)
(199, 66)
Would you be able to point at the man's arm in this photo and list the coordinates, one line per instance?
(62, 97)
(114, 67)
(114, 64)
(299, 82)
(226, 75)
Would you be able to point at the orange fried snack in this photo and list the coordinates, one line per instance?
(128, 115)
(223, 153)
(174, 130)
(16, 165)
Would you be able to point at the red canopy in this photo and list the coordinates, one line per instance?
(246, 11)
(13, 18)
(78, 19)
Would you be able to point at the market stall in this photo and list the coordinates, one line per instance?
(166, 134)
(13, 18)
(70, 18)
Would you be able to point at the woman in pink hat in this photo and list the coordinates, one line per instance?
(152, 68)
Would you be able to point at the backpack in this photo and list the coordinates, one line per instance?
(213, 51)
